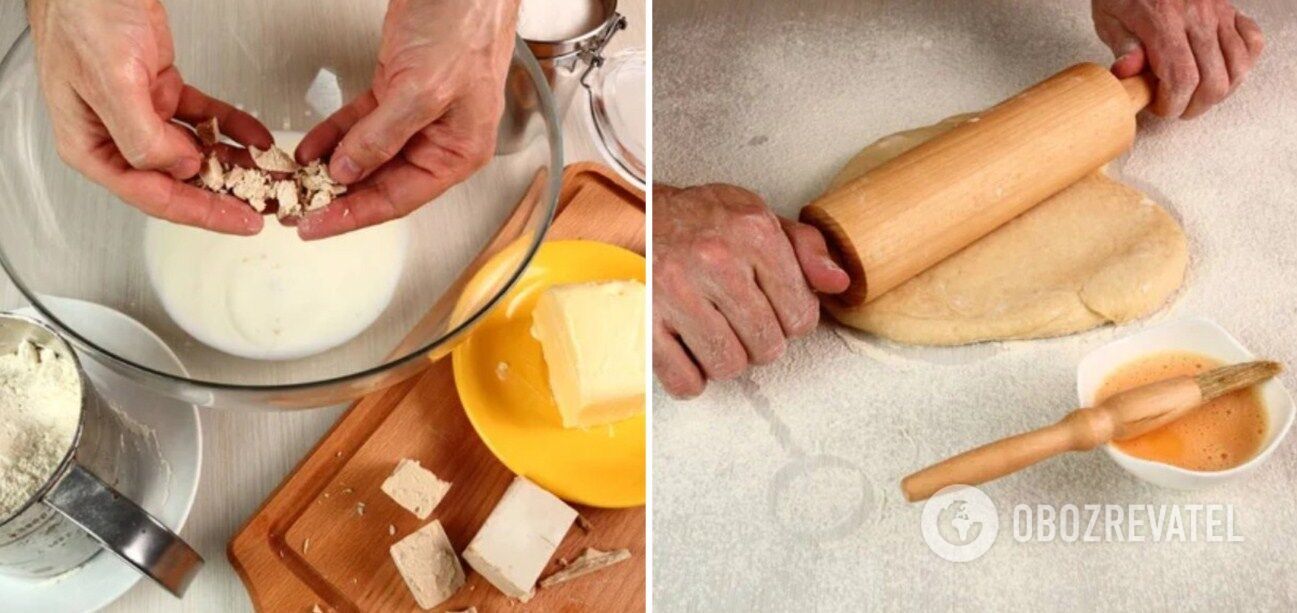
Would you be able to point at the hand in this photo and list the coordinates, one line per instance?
(1199, 50)
(112, 92)
(731, 283)
(428, 121)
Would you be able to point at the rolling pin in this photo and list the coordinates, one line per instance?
(1122, 416)
(921, 207)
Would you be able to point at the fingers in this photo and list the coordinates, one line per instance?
(821, 272)
(1238, 59)
(1172, 61)
(681, 309)
(161, 196)
(1241, 43)
(322, 139)
(193, 107)
(394, 191)
(1199, 51)
(166, 92)
(233, 156)
(1125, 46)
(780, 278)
(1251, 34)
(404, 184)
(677, 371)
(1213, 76)
(728, 286)
(384, 196)
(380, 135)
(712, 342)
(147, 140)
(1130, 63)
(749, 314)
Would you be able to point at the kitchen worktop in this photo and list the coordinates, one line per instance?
(234, 481)
(809, 451)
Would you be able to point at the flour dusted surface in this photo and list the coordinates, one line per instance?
(776, 96)
(40, 406)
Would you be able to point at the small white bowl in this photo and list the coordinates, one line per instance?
(1195, 335)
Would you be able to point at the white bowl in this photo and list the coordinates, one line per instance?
(1195, 335)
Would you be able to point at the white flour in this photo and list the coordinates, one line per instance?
(40, 406)
(555, 20)
(775, 96)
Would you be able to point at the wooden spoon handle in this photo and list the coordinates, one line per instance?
(1082, 429)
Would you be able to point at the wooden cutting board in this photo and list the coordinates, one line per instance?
(322, 537)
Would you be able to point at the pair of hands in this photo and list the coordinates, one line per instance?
(117, 104)
(732, 283)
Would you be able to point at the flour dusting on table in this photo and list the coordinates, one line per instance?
(776, 96)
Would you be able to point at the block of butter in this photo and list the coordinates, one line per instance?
(428, 564)
(519, 537)
(592, 337)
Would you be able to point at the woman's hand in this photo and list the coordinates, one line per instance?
(112, 92)
(731, 284)
(1199, 50)
(429, 120)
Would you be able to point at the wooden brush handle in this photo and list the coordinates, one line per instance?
(1122, 416)
(1081, 430)
(904, 216)
(1146, 408)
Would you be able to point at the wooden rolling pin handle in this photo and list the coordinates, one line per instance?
(1081, 430)
(1140, 90)
(905, 216)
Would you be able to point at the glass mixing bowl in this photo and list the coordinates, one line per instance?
(63, 237)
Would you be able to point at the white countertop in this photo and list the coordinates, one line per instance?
(775, 96)
(234, 482)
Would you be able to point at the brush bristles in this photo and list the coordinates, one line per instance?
(1220, 381)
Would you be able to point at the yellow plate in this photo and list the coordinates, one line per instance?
(511, 406)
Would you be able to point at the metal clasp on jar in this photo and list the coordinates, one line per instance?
(591, 50)
(565, 66)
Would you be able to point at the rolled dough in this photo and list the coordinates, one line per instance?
(1097, 252)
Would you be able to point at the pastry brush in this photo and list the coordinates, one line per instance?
(1122, 416)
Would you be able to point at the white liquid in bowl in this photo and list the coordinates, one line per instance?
(273, 296)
